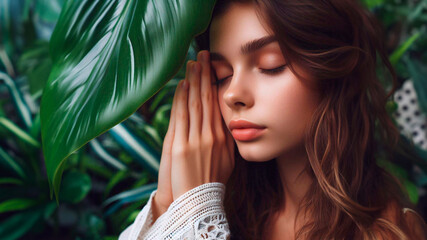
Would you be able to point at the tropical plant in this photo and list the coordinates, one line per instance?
(91, 198)
(144, 44)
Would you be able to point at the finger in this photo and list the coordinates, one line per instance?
(165, 161)
(194, 103)
(206, 90)
(167, 142)
(217, 118)
(181, 120)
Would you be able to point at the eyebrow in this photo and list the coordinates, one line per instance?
(248, 47)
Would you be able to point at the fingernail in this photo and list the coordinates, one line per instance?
(189, 64)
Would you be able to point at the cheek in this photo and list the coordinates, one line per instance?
(222, 106)
(288, 108)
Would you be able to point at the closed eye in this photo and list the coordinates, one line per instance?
(218, 82)
(274, 70)
(265, 71)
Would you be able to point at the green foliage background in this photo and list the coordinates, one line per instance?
(107, 181)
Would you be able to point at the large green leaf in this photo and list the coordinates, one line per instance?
(109, 57)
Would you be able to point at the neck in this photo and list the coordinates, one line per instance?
(295, 180)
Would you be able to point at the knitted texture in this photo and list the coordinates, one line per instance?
(197, 214)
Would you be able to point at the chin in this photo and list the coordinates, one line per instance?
(255, 157)
(256, 151)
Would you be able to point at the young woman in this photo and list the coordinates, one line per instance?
(285, 144)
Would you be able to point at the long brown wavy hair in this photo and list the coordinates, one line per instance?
(338, 43)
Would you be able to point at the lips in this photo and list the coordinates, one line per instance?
(243, 130)
(243, 124)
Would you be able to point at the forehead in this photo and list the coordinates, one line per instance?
(237, 26)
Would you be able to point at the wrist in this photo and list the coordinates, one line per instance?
(158, 208)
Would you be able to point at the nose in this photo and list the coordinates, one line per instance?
(239, 93)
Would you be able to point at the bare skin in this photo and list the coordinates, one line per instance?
(197, 148)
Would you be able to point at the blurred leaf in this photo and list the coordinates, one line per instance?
(146, 134)
(18, 132)
(20, 223)
(161, 119)
(6, 31)
(398, 53)
(128, 197)
(418, 72)
(402, 175)
(9, 162)
(5, 62)
(2, 113)
(422, 180)
(120, 218)
(17, 204)
(392, 168)
(15, 29)
(372, 3)
(14, 181)
(48, 10)
(92, 226)
(412, 191)
(36, 65)
(132, 216)
(109, 58)
(104, 155)
(141, 152)
(35, 128)
(161, 96)
(143, 180)
(96, 168)
(119, 176)
(75, 186)
(18, 100)
(417, 11)
(391, 107)
(125, 157)
(110, 238)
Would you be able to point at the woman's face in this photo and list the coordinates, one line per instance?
(277, 100)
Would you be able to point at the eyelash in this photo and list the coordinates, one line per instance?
(265, 71)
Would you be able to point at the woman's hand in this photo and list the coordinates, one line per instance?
(198, 147)
(202, 148)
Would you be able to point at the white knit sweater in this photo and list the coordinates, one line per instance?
(197, 214)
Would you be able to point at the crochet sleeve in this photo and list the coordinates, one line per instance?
(197, 214)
